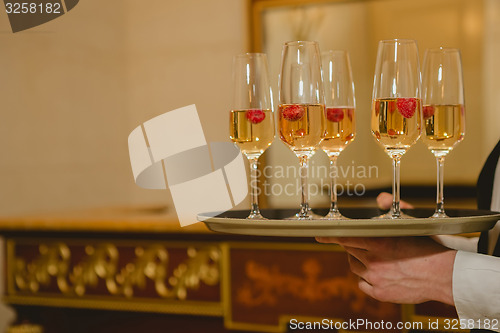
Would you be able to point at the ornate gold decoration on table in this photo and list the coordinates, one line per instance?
(249, 283)
(115, 271)
(101, 262)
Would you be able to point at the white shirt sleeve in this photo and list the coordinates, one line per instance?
(476, 290)
(468, 244)
(476, 278)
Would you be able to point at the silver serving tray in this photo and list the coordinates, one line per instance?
(359, 224)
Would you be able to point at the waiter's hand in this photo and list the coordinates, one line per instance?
(384, 201)
(406, 270)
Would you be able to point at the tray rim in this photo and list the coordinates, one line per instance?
(360, 227)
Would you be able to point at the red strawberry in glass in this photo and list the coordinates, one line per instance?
(335, 114)
(428, 111)
(255, 116)
(406, 106)
(293, 112)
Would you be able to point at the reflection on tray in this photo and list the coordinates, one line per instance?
(356, 213)
(360, 223)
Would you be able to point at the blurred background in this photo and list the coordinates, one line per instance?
(74, 88)
(357, 26)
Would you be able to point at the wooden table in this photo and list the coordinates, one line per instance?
(137, 270)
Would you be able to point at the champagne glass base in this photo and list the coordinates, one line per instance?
(334, 215)
(255, 216)
(437, 214)
(310, 216)
(298, 217)
(315, 216)
(390, 216)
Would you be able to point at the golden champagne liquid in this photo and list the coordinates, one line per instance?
(252, 138)
(391, 129)
(305, 134)
(339, 132)
(444, 127)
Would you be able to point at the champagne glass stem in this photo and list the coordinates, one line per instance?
(304, 170)
(254, 188)
(334, 211)
(396, 196)
(440, 188)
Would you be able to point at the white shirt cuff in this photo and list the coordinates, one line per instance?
(476, 289)
(458, 242)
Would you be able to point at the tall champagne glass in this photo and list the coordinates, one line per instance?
(252, 120)
(443, 110)
(396, 105)
(301, 108)
(340, 121)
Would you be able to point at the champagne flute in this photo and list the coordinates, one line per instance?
(301, 108)
(252, 118)
(443, 110)
(396, 106)
(340, 121)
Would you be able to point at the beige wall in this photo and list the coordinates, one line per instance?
(73, 89)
